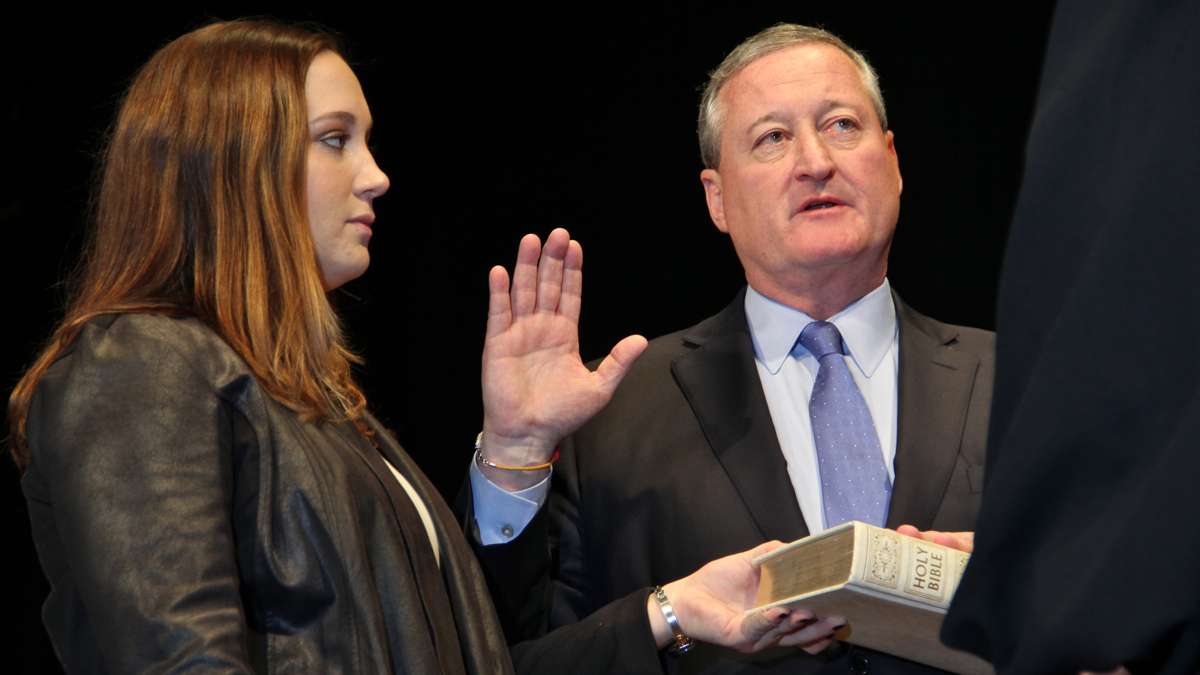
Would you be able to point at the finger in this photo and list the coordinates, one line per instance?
(815, 647)
(524, 281)
(799, 618)
(822, 630)
(795, 621)
(763, 628)
(614, 366)
(572, 287)
(943, 538)
(798, 628)
(814, 629)
(550, 270)
(963, 541)
(499, 309)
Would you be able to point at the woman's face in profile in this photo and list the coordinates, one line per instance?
(342, 178)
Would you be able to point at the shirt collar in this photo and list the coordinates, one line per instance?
(867, 325)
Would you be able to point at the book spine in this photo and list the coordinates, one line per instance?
(906, 567)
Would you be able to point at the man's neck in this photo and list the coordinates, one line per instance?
(819, 296)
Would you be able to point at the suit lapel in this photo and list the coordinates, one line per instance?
(934, 393)
(719, 380)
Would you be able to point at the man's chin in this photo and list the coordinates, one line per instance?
(821, 256)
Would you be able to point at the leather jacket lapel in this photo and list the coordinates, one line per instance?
(480, 640)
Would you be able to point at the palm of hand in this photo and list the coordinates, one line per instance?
(535, 382)
(716, 603)
(725, 589)
(536, 389)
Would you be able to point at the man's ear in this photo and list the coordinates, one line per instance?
(715, 198)
(891, 146)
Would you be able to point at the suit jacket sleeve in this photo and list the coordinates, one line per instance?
(130, 494)
(615, 638)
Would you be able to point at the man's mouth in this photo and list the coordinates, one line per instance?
(820, 205)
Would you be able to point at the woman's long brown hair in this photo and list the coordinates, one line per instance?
(199, 211)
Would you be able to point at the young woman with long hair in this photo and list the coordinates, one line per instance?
(206, 487)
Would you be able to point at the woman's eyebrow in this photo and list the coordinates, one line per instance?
(345, 117)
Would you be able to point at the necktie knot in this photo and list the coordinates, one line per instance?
(821, 338)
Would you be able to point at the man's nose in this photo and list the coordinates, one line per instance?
(813, 161)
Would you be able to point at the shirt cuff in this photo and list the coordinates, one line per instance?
(502, 515)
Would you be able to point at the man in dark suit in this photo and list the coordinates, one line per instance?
(727, 433)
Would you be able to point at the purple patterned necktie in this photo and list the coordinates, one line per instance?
(854, 479)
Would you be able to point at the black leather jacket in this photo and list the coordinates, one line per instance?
(187, 521)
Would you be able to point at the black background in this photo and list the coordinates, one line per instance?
(498, 122)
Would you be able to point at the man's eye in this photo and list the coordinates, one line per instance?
(335, 141)
(772, 137)
(844, 125)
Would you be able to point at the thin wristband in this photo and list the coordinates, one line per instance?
(682, 642)
(509, 467)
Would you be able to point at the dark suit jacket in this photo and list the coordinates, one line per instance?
(684, 466)
(186, 520)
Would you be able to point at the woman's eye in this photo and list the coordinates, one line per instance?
(335, 141)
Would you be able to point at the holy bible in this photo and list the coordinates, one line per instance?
(892, 589)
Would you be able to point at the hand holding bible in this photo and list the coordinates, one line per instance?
(715, 604)
(963, 541)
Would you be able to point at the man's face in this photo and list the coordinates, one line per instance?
(808, 182)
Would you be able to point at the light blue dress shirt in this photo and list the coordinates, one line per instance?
(502, 515)
(871, 333)
(787, 372)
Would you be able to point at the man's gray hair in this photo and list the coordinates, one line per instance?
(777, 37)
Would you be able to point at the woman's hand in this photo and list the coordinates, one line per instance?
(711, 606)
(963, 541)
(536, 389)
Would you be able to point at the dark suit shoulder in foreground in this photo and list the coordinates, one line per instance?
(1088, 542)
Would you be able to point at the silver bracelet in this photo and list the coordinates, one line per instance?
(682, 642)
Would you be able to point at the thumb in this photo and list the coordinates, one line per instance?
(764, 548)
(614, 366)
